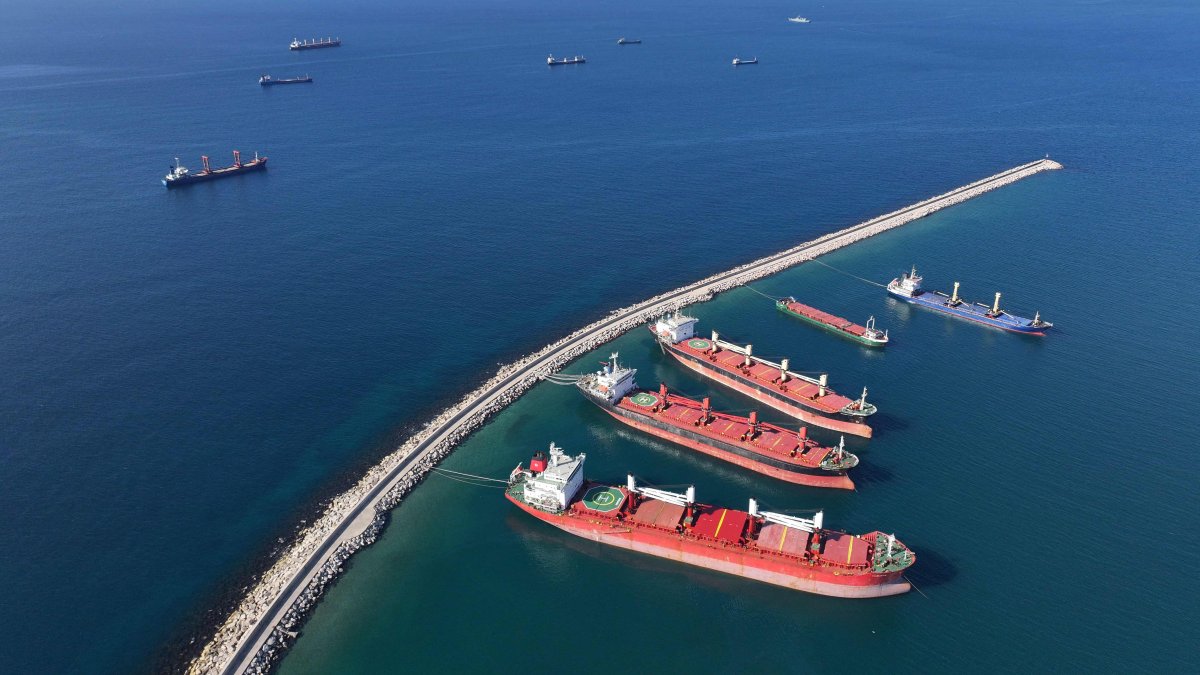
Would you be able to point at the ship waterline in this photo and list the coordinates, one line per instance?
(279, 602)
(780, 549)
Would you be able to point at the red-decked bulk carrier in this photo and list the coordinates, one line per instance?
(744, 441)
(805, 398)
(797, 553)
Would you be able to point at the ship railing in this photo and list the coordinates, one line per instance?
(737, 349)
(802, 445)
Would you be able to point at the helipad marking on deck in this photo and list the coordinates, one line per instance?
(603, 499)
(644, 399)
(697, 343)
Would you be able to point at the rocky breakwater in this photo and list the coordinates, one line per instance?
(264, 623)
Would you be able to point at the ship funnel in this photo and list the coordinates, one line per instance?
(691, 494)
(630, 483)
(824, 383)
(817, 519)
(783, 366)
(996, 305)
(749, 351)
(753, 510)
(954, 295)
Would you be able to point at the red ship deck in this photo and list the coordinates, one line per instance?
(827, 318)
(729, 530)
(733, 363)
(771, 440)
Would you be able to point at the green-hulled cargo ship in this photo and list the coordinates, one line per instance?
(866, 335)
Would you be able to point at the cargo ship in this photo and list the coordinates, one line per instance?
(775, 548)
(806, 398)
(300, 45)
(907, 287)
(268, 81)
(745, 62)
(744, 441)
(627, 41)
(181, 175)
(864, 335)
(551, 61)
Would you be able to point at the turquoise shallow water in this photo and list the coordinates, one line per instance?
(187, 372)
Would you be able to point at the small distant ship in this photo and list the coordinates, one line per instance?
(745, 62)
(298, 45)
(628, 41)
(806, 398)
(799, 19)
(181, 175)
(760, 447)
(907, 287)
(775, 548)
(865, 335)
(268, 81)
(551, 61)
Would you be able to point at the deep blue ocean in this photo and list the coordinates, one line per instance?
(184, 375)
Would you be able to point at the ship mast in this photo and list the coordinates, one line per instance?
(807, 524)
(686, 499)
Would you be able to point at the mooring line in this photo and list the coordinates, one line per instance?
(769, 297)
(469, 478)
(825, 264)
(910, 583)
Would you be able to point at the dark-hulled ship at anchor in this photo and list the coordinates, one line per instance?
(181, 175)
(300, 45)
(268, 81)
(551, 61)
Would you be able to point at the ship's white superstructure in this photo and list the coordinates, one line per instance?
(551, 484)
(610, 384)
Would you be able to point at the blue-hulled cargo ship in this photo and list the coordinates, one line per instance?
(907, 287)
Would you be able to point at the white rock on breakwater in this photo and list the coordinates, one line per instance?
(222, 648)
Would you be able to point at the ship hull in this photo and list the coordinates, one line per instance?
(742, 457)
(860, 339)
(315, 45)
(768, 398)
(725, 559)
(971, 312)
(272, 83)
(225, 172)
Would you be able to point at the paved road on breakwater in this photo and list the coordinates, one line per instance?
(255, 634)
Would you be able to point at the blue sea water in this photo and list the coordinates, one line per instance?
(185, 373)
